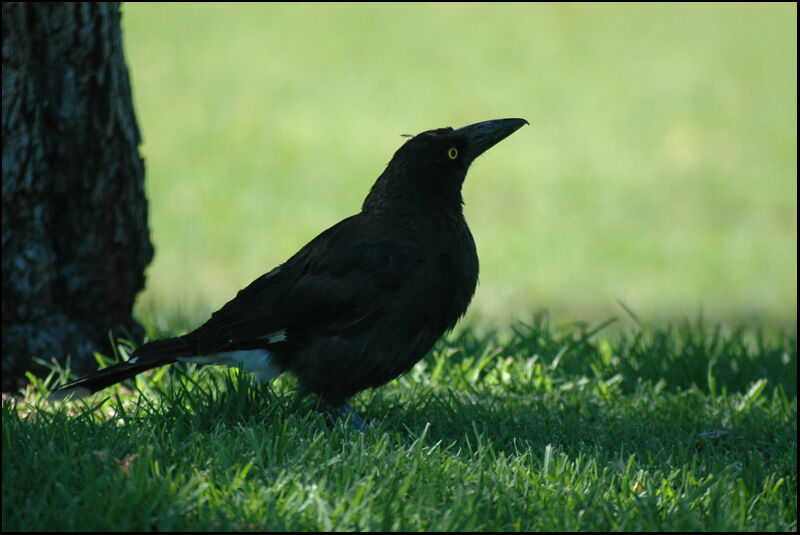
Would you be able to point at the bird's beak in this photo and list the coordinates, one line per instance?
(483, 136)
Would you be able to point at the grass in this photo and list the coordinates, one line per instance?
(540, 427)
(660, 167)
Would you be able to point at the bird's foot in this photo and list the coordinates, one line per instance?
(358, 424)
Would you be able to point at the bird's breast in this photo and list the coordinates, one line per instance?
(460, 272)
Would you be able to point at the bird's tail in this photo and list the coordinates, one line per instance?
(146, 357)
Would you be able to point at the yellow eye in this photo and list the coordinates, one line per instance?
(452, 153)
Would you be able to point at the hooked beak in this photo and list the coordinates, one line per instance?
(483, 136)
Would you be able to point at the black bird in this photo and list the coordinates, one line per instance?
(362, 302)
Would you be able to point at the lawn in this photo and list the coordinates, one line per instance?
(540, 427)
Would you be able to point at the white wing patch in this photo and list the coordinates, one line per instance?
(274, 337)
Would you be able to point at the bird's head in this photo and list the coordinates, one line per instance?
(431, 166)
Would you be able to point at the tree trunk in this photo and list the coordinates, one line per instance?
(75, 238)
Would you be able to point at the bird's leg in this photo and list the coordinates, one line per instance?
(345, 410)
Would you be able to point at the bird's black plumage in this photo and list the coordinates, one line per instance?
(366, 299)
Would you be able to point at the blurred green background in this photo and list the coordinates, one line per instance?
(660, 167)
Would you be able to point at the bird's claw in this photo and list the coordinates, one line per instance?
(358, 423)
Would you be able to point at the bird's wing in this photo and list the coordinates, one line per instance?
(340, 282)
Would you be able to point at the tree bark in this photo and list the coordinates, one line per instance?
(75, 237)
